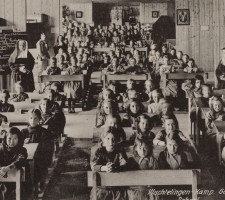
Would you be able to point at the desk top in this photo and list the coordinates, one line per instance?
(127, 48)
(14, 117)
(31, 149)
(183, 75)
(118, 77)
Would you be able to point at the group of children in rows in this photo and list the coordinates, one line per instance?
(109, 155)
(105, 36)
(73, 56)
(12, 153)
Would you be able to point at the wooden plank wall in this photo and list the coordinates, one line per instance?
(146, 11)
(204, 38)
(51, 9)
(74, 6)
(14, 11)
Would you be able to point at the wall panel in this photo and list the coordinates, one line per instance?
(2, 9)
(14, 12)
(204, 37)
(147, 8)
(51, 9)
(19, 15)
(9, 14)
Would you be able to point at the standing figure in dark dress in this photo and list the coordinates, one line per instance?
(21, 63)
(220, 71)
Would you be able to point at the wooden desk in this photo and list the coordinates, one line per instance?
(219, 128)
(17, 177)
(33, 96)
(96, 77)
(218, 93)
(5, 78)
(25, 105)
(123, 77)
(128, 131)
(145, 178)
(181, 76)
(31, 151)
(107, 49)
(16, 119)
(145, 104)
(64, 78)
(199, 114)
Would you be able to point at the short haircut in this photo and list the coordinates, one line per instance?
(14, 131)
(36, 112)
(6, 92)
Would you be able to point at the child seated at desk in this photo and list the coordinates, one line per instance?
(165, 108)
(61, 63)
(179, 60)
(115, 38)
(166, 67)
(149, 87)
(62, 52)
(156, 95)
(73, 88)
(216, 113)
(197, 89)
(114, 121)
(142, 154)
(105, 63)
(4, 105)
(142, 160)
(131, 94)
(151, 59)
(114, 67)
(35, 133)
(109, 158)
(87, 62)
(203, 102)
(108, 107)
(144, 128)
(173, 157)
(106, 94)
(170, 128)
(131, 85)
(185, 59)
(169, 87)
(133, 68)
(57, 96)
(53, 69)
(173, 54)
(54, 106)
(120, 56)
(128, 56)
(191, 66)
(139, 62)
(20, 94)
(114, 86)
(13, 157)
(55, 120)
(134, 110)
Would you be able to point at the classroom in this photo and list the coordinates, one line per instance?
(112, 99)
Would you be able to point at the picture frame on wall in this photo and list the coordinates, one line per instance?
(183, 17)
(79, 14)
(155, 14)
